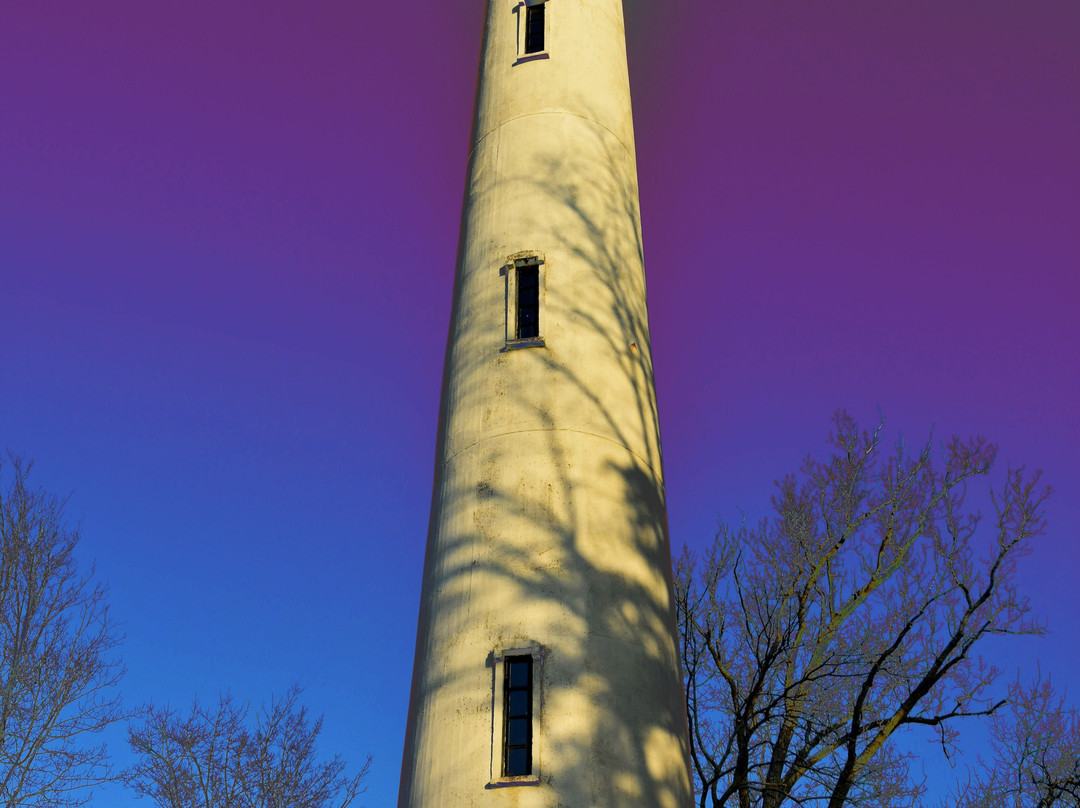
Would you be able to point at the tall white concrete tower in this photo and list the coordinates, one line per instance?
(546, 671)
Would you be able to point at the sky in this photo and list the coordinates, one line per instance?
(227, 244)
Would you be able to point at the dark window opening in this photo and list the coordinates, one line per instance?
(528, 301)
(517, 723)
(534, 28)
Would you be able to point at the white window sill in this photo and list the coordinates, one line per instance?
(511, 782)
(516, 344)
(532, 57)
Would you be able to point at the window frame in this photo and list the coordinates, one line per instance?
(510, 270)
(527, 319)
(535, 18)
(512, 688)
(499, 722)
(522, 11)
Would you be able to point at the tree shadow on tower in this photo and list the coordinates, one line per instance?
(551, 515)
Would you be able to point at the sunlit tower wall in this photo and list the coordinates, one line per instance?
(546, 669)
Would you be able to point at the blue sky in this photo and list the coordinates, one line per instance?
(227, 241)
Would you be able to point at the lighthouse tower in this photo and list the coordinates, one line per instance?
(546, 670)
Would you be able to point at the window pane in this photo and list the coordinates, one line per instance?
(517, 672)
(517, 732)
(518, 704)
(529, 284)
(517, 762)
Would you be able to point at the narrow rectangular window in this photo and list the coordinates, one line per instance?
(528, 301)
(517, 712)
(534, 28)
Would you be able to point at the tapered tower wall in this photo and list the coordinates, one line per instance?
(548, 528)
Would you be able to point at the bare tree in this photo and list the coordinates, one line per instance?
(853, 612)
(59, 669)
(218, 758)
(1035, 755)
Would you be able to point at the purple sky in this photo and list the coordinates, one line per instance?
(227, 238)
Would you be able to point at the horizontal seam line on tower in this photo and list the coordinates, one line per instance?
(576, 431)
(550, 112)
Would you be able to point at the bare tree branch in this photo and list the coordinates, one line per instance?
(59, 666)
(1035, 754)
(229, 757)
(852, 613)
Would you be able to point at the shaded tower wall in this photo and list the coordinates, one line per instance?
(548, 532)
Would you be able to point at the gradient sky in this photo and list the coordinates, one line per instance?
(227, 242)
